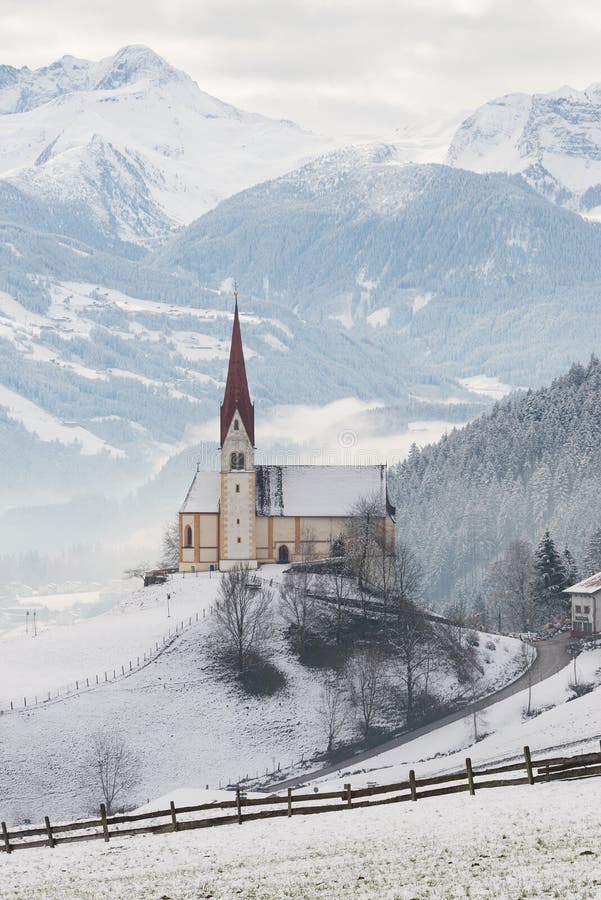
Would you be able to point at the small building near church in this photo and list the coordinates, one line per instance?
(586, 605)
(248, 514)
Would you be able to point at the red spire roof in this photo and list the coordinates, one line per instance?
(236, 395)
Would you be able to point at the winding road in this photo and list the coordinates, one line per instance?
(552, 656)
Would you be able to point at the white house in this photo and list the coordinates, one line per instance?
(586, 605)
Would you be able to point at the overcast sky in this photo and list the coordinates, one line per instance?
(350, 66)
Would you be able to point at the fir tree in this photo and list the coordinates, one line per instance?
(550, 576)
(570, 568)
(592, 558)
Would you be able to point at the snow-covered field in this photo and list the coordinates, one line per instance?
(74, 650)
(188, 720)
(524, 842)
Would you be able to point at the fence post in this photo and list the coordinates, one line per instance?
(49, 831)
(7, 846)
(289, 802)
(173, 817)
(105, 827)
(528, 765)
(239, 805)
(412, 785)
(470, 775)
(347, 788)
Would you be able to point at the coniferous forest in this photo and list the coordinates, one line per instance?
(531, 465)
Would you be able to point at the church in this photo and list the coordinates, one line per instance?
(249, 514)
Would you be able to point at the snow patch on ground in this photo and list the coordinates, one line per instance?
(48, 428)
(379, 317)
(486, 385)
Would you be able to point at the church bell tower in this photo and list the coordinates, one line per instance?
(237, 540)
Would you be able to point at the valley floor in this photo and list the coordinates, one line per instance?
(518, 842)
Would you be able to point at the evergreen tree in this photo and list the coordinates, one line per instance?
(550, 576)
(570, 568)
(592, 558)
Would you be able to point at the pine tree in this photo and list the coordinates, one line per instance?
(592, 558)
(570, 568)
(550, 576)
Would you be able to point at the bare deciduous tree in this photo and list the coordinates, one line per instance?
(242, 614)
(512, 582)
(361, 544)
(138, 571)
(409, 575)
(331, 710)
(335, 586)
(116, 766)
(528, 658)
(367, 679)
(170, 546)
(298, 606)
(410, 637)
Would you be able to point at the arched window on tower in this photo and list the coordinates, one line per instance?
(236, 425)
(188, 536)
(236, 460)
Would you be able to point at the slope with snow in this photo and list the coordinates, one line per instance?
(184, 714)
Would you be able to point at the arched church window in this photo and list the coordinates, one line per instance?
(236, 425)
(237, 460)
(188, 536)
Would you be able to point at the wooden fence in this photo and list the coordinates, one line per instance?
(246, 809)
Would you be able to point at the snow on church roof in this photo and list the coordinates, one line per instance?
(203, 495)
(299, 490)
(318, 490)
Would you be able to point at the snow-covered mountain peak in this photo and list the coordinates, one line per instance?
(24, 89)
(135, 63)
(80, 132)
(553, 139)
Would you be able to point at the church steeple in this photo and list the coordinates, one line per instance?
(237, 396)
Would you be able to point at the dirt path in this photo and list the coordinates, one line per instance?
(552, 656)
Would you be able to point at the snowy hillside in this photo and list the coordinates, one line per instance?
(553, 140)
(185, 715)
(133, 143)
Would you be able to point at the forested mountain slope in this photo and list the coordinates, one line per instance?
(469, 271)
(532, 463)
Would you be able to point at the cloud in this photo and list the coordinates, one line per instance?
(358, 65)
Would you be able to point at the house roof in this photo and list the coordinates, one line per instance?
(237, 395)
(591, 585)
(300, 491)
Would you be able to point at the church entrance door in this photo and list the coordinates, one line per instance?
(283, 554)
